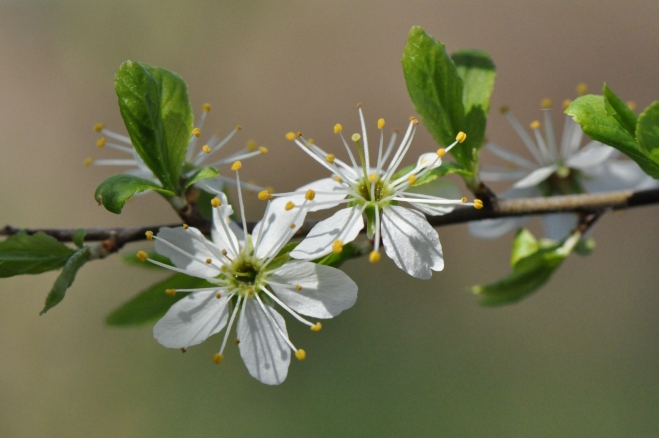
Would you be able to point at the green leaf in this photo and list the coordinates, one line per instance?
(615, 107)
(533, 265)
(589, 111)
(131, 259)
(282, 256)
(436, 90)
(205, 173)
(349, 251)
(32, 254)
(79, 237)
(156, 110)
(647, 131)
(116, 190)
(152, 303)
(585, 246)
(66, 278)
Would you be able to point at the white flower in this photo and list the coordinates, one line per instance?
(194, 161)
(250, 279)
(556, 171)
(406, 235)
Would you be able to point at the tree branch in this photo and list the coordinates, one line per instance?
(590, 204)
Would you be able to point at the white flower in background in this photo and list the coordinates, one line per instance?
(249, 280)
(406, 235)
(194, 161)
(563, 170)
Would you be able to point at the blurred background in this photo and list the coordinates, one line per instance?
(412, 358)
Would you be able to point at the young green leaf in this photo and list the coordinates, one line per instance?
(435, 89)
(66, 278)
(152, 303)
(32, 254)
(647, 131)
(205, 173)
(615, 107)
(155, 107)
(116, 190)
(349, 251)
(524, 245)
(79, 237)
(590, 112)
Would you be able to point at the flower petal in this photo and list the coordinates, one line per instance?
(265, 353)
(325, 291)
(193, 319)
(559, 225)
(268, 232)
(192, 242)
(321, 187)
(440, 188)
(536, 177)
(617, 175)
(592, 155)
(411, 242)
(221, 239)
(347, 222)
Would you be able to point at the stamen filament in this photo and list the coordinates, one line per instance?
(272, 320)
(233, 317)
(288, 309)
(185, 253)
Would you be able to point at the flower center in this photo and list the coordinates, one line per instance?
(244, 275)
(562, 182)
(380, 190)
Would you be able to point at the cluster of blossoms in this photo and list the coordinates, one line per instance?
(564, 170)
(251, 274)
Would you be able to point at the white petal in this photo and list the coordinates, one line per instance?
(325, 292)
(265, 353)
(193, 319)
(210, 185)
(268, 233)
(558, 225)
(411, 242)
(348, 222)
(190, 241)
(235, 236)
(319, 186)
(494, 173)
(536, 177)
(617, 175)
(440, 188)
(493, 228)
(592, 155)
(510, 156)
(429, 160)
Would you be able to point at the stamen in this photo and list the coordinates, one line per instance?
(317, 327)
(196, 132)
(217, 358)
(206, 107)
(441, 152)
(298, 287)
(336, 178)
(215, 202)
(631, 105)
(374, 257)
(461, 137)
(98, 127)
(463, 199)
(411, 179)
(301, 354)
(236, 166)
(355, 137)
(149, 235)
(88, 161)
(170, 292)
(535, 124)
(273, 322)
(100, 142)
(142, 255)
(263, 150)
(566, 103)
(218, 296)
(206, 149)
(290, 136)
(285, 307)
(380, 123)
(582, 89)
(372, 177)
(310, 195)
(337, 246)
(330, 158)
(289, 205)
(251, 145)
(209, 261)
(185, 226)
(478, 204)
(338, 128)
(238, 127)
(233, 317)
(546, 103)
(264, 195)
(236, 341)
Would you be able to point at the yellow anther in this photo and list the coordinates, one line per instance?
(251, 145)
(535, 124)
(380, 123)
(299, 134)
(463, 199)
(330, 158)
(503, 109)
(217, 358)
(414, 120)
(100, 142)
(88, 161)
(263, 150)
(99, 127)
(545, 103)
(631, 105)
(183, 350)
(170, 292)
(337, 246)
(206, 149)
(582, 89)
(215, 202)
(566, 103)
(206, 107)
(224, 252)
(316, 327)
(238, 127)
(374, 256)
(218, 296)
(196, 132)
(263, 195)
(338, 179)
(478, 204)
(236, 341)
(338, 128)
(142, 255)
(310, 195)
(149, 235)
(185, 226)
(292, 226)
(411, 179)
(359, 105)
(301, 354)
(236, 165)
(290, 136)
(209, 261)
(250, 292)
(461, 137)
(289, 205)
(372, 177)
(355, 137)
(441, 152)
(298, 287)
